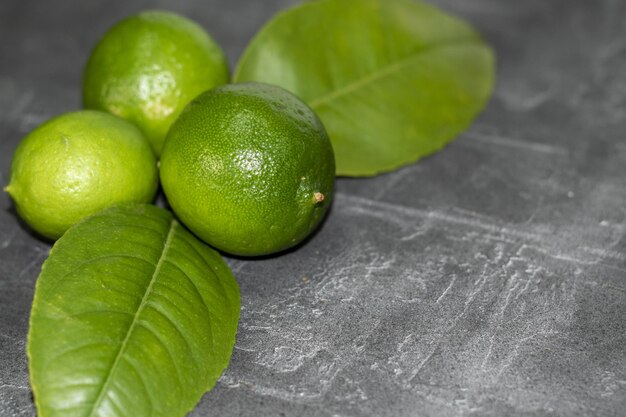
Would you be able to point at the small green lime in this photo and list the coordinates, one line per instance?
(248, 168)
(147, 67)
(76, 164)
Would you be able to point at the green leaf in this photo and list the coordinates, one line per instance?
(392, 80)
(132, 316)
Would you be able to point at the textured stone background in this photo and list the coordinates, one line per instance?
(489, 279)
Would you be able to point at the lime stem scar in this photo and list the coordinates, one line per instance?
(319, 197)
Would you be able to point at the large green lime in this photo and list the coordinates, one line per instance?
(76, 164)
(148, 67)
(248, 168)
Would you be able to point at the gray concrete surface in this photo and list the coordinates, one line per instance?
(489, 279)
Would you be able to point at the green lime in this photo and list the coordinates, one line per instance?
(248, 168)
(148, 67)
(76, 164)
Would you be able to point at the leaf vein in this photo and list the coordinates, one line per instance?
(381, 73)
(197, 291)
(166, 348)
(156, 307)
(208, 265)
(93, 261)
(130, 331)
(133, 365)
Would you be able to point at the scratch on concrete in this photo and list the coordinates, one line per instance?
(616, 288)
(423, 363)
(34, 262)
(447, 289)
(545, 240)
(9, 239)
(11, 386)
(517, 144)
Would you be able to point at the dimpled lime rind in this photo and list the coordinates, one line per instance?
(147, 67)
(77, 164)
(249, 169)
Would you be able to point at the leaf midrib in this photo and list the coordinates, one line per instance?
(131, 328)
(385, 70)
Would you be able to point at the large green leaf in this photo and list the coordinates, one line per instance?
(392, 80)
(132, 316)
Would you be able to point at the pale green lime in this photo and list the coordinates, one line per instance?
(76, 164)
(148, 67)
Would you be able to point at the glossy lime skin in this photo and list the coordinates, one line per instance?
(148, 67)
(249, 169)
(77, 164)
